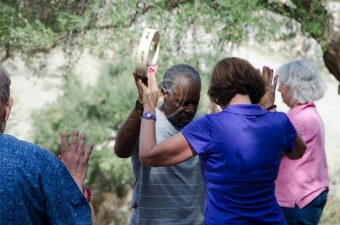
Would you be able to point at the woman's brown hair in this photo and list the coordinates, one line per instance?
(232, 76)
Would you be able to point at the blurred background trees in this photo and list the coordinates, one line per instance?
(33, 26)
(192, 31)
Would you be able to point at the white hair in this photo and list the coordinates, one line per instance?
(303, 79)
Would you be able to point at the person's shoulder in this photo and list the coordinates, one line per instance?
(11, 142)
(278, 119)
(203, 121)
(198, 116)
(306, 115)
(28, 150)
(202, 117)
(217, 117)
(278, 115)
(207, 116)
(307, 121)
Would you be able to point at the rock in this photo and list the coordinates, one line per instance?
(111, 209)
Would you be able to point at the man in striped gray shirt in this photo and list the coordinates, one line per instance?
(172, 195)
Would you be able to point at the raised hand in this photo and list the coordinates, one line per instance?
(139, 77)
(270, 86)
(75, 156)
(150, 91)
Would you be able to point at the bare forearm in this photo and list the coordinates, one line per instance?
(299, 149)
(128, 135)
(147, 140)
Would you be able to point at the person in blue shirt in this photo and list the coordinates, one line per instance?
(239, 148)
(35, 186)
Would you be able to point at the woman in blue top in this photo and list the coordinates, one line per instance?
(240, 147)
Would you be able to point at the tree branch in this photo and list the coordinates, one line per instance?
(309, 13)
(278, 8)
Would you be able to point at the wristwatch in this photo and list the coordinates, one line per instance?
(149, 116)
(139, 106)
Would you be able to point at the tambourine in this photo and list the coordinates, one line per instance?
(148, 50)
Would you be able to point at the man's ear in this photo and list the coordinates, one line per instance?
(8, 108)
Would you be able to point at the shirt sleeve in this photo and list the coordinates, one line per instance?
(65, 204)
(304, 125)
(291, 136)
(199, 135)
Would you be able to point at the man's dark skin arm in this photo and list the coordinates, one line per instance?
(128, 134)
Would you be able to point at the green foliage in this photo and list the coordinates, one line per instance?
(33, 36)
(96, 110)
(310, 18)
(192, 31)
(37, 26)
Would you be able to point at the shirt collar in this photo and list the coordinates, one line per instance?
(300, 107)
(246, 109)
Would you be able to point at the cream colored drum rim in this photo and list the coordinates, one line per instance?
(148, 49)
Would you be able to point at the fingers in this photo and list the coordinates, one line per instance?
(137, 74)
(143, 86)
(150, 90)
(267, 75)
(264, 74)
(275, 83)
(81, 143)
(150, 83)
(151, 74)
(63, 143)
(259, 71)
(139, 86)
(74, 141)
(270, 75)
(88, 152)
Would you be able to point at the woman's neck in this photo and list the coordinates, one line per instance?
(240, 99)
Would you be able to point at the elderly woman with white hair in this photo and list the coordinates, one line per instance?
(302, 185)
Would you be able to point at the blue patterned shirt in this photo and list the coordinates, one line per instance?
(36, 188)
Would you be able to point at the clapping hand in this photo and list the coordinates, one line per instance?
(139, 77)
(270, 85)
(150, 91)
(75, 156)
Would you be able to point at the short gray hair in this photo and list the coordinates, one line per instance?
(5, 83)
(303, 79)
(179, 70)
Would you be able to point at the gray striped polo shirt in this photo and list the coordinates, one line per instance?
(171, 195)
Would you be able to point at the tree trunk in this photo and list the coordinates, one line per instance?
(331, 55)
(332, 58)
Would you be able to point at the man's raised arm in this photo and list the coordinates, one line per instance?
(128, 134)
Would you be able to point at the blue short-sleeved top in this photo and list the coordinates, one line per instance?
(240, 150)
(36, 188)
